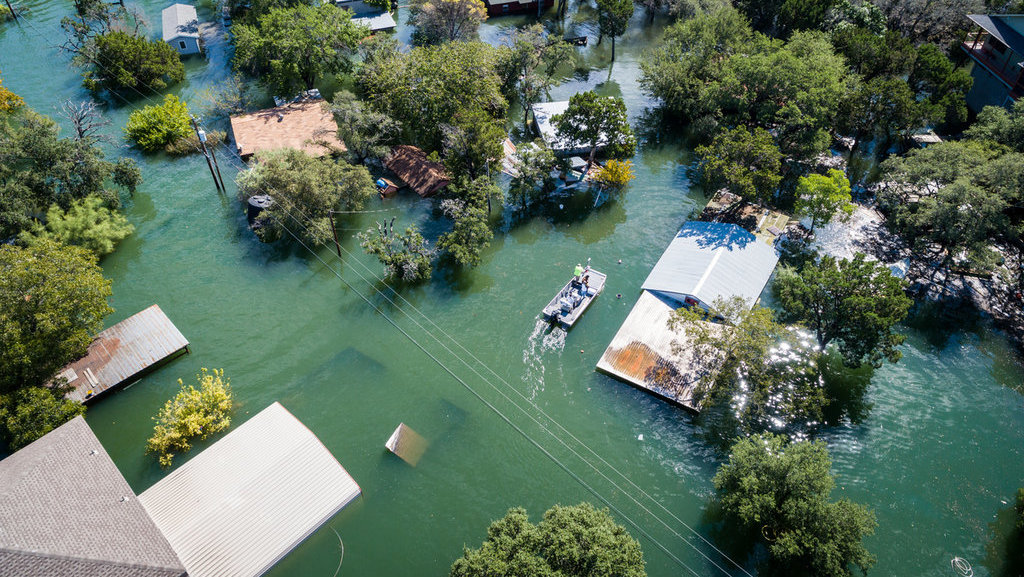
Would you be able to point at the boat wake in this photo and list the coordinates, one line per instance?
(544, 337)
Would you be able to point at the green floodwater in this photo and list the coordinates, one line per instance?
(934, 445)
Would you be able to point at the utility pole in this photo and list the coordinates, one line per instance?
(11, 8)
(217, 165)
(334, 231)
(202, 143)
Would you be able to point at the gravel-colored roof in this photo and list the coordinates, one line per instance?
(304, 125)
(412, 166)
(65, 510)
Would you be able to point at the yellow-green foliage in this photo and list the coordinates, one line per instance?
(190, 414)
(160, 126)
(88, 223)
(615, 174)
(8, 100)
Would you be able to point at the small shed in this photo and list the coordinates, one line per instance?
(181, 28)
(304, 124)
(411, 165)
(710, 260)
(123, 353)
(376, 22)
(244, 503)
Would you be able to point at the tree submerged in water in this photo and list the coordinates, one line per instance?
(192, 413)
(405, 257)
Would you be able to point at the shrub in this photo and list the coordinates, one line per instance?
(615, 174)
(190, 414)
(32, 412)
(87, 223)
(161, 126)
(133, 62)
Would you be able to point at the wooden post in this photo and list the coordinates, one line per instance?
(206, 154)
(217, 165)
(11, 8)
(334, 231)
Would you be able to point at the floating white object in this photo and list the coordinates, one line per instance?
(640, 437)
(407, 444)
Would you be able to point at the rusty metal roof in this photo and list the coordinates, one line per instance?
(304, 125)
(123, 352)
(412, 166)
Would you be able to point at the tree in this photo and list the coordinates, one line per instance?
(779, 492)
(470, 233)
(89, 223)
(366, 133)
(228, 97)
(9, 101)
(85, 118)
(159, 126)
(613, 19)
(425, 89)
(998, 125)
(615, 175)
(532, 174)
(291, 48)
(929, 20)
(440, 21)
(570, 541)
(592, 121)
(192, 413)
(855, 303)
(305, 190)
(945, 86)
(874, 55)
(883, 107)
(29, 413)
(405, 257)
(745, 162)
(823, 197)
(529, 63)
(738, 368)
(54, 299)
(472, 140)
(124, 62)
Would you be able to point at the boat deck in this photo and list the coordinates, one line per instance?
(554, 310)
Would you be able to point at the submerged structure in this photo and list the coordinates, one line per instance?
(181, 28)
(303, 124)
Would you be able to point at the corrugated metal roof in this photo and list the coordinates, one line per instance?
(122, 351)
(641, 352)
(65, 510)
(543, 112)
(179, 20)
(241, 505)
(710, 260)
(376, 22)
(1007, 28)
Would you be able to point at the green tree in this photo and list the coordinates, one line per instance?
(884, 108)
(874, 55)
(613, 19)
(529, 63)
(405, 257)
(855, 303)
(570, 541)
(745, 162)
(159, 126)
(592, 121)
(291, 48)
(737, 369)
(89, 223)
(998, 125)
(447, 20)
(124, 62)
(822, 197)
(532, 179)
(366, 133)
(471, 141)
(54, 299)
(426, 88)
(192, 413)
(305, 190)
(31, 412)
(935, 77)
(470, 233)
(779, 492)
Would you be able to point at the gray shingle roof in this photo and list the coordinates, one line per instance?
(65, 510)
(709, 260)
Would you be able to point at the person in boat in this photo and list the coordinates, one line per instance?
(586, 285)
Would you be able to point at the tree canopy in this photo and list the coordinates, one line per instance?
(89, 223)
(31, 412)
(593, 121)
(779, 493)
(366, 133)
(406, 257)
(745, 162)
(529, 62)
(470, 233)
(123, 61)
(612, 19)
(447, 20)
(570, 541)
(855, 303)
(192, 413)
(823, 197)
(159, 126)
(291, 48)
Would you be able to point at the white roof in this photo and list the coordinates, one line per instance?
(180, 21)
(542, 113)
(708, 260)
(375, 22)
(240, 506)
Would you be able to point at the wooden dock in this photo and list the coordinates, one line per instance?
(641, 353)
(122, 353)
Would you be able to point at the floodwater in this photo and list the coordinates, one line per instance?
(514, 413)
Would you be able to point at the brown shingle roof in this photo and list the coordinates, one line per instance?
(300, 125)
(65, 510)
(411, 165)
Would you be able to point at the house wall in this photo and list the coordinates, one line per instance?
(191, 45)
(987, 90)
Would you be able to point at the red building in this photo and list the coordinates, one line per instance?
(499, 7)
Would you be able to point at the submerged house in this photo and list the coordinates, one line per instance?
(500, 7)
(181, 28)
(233, 510)
(303, 124)
(996, 48)
(704, 262)
(411, 165)
(543, 114)
(373, 17)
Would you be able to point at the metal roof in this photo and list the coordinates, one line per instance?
(65, 510)
(1006, 27)
(376, 22)
(179, 21)
(122, 352)
(710, 260)
(240, 506)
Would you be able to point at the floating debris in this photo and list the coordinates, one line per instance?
(407, 444)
